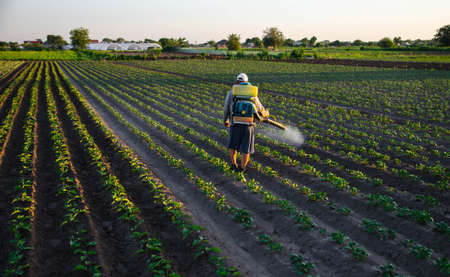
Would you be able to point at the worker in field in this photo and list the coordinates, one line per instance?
(242, 107)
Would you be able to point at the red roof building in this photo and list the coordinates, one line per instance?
(31, 42)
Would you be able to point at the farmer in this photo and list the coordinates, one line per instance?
(239, 113)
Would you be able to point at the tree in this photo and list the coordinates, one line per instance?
(335, 43)
(170, 44)
(273, 37)
(14, 45)
(79, 38)
(149, 40)
(212, 43)
(257, 42)
(443, 36)
(234, 42)
(107, 40)
(304, 41)
(55, 41)
(397, 40)
(357, 42)
(182, 42)
(167, 44)
(120, 40)
(289, 42)
(312, 41)
(386, 43)
(33, 46)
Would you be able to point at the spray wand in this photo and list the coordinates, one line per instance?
(265, 117)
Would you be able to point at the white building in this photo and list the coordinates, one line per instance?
(119, 46)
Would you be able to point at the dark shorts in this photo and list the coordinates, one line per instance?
(242, 138)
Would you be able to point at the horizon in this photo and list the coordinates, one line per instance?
(138, 20)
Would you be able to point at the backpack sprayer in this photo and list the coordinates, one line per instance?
(244, 107)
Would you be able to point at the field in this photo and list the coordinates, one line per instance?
(121, 169)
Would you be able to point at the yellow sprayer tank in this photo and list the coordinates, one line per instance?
(245, 90)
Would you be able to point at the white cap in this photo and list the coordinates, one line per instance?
(242, 77)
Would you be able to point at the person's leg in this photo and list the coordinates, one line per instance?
(247, 146)
(233, 155)
(244, 160)
(232, 145)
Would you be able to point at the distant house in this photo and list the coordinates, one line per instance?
(222, 43)
(31, 42)
(300, 43)
(346, 43)
(248, 45)
(405, 43)
(93, 41)
(122, 46)
(324, 43)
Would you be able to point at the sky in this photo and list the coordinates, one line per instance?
(202, 20)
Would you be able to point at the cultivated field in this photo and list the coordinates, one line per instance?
(121, 169)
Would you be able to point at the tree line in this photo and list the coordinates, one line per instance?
(272, 38)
